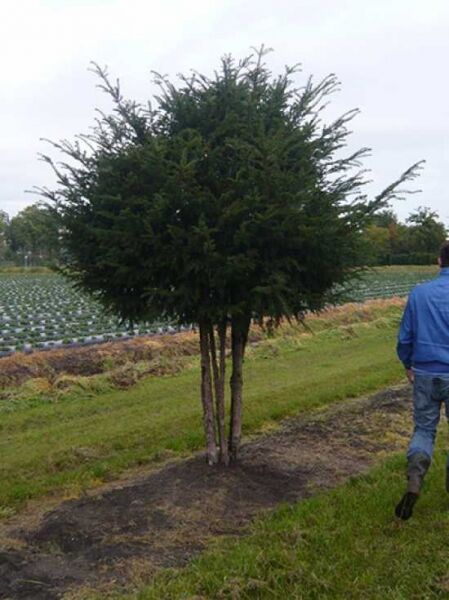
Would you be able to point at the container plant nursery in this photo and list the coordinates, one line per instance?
(43, 311)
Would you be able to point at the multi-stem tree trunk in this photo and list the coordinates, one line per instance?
(207, 394)
(213, 371)
(239, 336)
(219, 371)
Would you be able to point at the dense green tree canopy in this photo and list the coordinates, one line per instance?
(426, 232)
(34, 230)
(231, 196)
(228, 201)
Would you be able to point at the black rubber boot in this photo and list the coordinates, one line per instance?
(418, 465)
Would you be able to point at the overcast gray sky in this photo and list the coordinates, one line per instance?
(390, 55)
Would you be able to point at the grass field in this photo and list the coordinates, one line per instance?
(69, 441)
(341, 545)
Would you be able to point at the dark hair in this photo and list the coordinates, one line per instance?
(444, 254)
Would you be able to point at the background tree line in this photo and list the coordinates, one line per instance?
(415, 242)
(32, 238)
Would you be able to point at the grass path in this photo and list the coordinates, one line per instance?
(166, 517)
(340, 545)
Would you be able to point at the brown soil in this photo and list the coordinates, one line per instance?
(166, 517)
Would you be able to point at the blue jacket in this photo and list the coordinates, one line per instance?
(423, 341)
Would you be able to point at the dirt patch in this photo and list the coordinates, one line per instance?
(167, 517)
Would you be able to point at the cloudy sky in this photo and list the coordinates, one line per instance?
(390, 55)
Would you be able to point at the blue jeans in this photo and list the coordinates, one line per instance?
(429, 393)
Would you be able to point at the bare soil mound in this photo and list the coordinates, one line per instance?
(166, 517)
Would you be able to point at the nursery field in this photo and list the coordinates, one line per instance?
(41, 311)
(387, 282)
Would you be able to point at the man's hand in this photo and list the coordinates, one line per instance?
(410, 375)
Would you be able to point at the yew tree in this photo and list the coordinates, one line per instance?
(226, 201)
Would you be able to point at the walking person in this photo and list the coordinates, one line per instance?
(423, 348)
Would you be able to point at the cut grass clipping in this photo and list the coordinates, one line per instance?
(69, 442)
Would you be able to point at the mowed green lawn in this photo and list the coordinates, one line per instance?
(341, 545)
(76, 441)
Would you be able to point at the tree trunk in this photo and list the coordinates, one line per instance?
(207, 396)
(239, 336)
(219, 370)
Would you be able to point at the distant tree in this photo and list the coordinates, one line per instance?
(33, 232)
(426, 233)
(378, 245)
(399, 241)
(381, 236)
(4, 226)
(384, 218)
(231, 201)
(417, 241)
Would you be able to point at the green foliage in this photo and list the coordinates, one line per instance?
(426, 232)
(378, 244)
(31, 238)
(231, 198)
(416, 242)
(4, 225)
(229, 201)
(384, 218)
